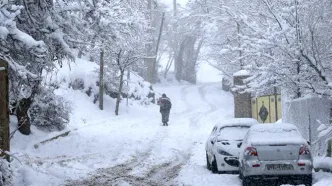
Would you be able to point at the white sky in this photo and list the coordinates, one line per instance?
(170, 2)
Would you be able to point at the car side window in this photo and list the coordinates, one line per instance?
(245, 140)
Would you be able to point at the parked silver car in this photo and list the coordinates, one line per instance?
(275, 151)
(221, 146)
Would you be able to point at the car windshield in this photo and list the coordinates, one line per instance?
(233, 133)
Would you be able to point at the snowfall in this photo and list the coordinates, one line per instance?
(132, 148)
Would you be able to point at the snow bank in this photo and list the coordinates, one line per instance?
(323, 163)
(84, 75)
(281, 133)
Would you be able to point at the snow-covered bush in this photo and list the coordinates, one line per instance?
(140, 90)
(325, 137)
(49, 111)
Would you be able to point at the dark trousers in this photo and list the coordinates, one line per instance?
(165, 115)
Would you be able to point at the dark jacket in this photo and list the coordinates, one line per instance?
(165, 104)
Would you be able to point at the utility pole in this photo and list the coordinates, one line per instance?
(157, 48)
(4, 109)
(149, 60)
(174, 8)
(128, 78)
(101, 80)
(175, 39)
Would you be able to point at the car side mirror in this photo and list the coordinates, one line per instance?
(212, 142)
(308, 142)
(239, 144)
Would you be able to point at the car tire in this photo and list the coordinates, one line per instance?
(307, 181)
(214, 167)
(208, 164)
(240, 175)
(246, 181)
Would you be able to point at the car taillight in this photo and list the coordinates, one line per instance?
(300, 164)
(304, 150)
(250, 151)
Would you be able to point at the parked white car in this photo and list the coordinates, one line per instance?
(275, 151)
(222, 145)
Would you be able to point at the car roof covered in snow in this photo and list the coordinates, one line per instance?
(248, 122)
(275, 133)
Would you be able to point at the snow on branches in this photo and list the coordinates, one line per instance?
(283, 43)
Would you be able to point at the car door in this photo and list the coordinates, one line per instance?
(242, 147)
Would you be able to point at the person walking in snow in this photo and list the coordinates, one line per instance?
(165, 108)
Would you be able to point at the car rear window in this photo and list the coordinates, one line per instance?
(275, 136)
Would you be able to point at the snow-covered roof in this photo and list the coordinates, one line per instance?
(237, 122)
(275, 133)
(242, 73)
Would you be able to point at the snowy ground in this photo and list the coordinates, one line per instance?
(133, 148)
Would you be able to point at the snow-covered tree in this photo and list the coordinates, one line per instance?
(34, 36)
(186, 41)
(283, 43)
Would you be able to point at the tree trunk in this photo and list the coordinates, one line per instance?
(4, 108)
(23, 107)
(190, 56)
(179, 61)
(329, 149)
(80, 53)
(119, 93)
(22, 115)
(168, 66)
(101, 81)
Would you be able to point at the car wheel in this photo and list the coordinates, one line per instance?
(240, 175)
(208, 164)
(307, 181)
(246, 181)
(214, 166)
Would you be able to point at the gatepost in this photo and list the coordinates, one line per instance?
(4, 112)
(242, 100)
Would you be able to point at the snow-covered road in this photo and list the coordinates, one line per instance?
(133, 148)
(170, 151)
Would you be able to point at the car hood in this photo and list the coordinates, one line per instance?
(229, 146)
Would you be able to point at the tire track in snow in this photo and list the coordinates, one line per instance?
(202, 92)
(122, 173)
(183, 96)
(194, 120)
(168, 171)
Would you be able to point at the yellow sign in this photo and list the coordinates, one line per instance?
(266, 109)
